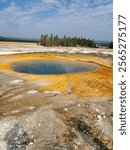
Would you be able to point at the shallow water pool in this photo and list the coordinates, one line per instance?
(53, 67)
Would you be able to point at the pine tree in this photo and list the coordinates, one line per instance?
(54, 40)
(111, 45)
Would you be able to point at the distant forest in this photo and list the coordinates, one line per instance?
(55, 40)
(11, 39)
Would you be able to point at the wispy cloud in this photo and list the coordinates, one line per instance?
(89, 18)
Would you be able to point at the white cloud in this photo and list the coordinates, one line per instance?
(56, 16)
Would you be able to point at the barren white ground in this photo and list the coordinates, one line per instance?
(17, 48)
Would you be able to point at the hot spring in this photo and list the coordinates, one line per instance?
(53, 67)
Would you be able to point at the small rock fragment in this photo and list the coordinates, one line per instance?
(99, 117)
(97, 110)
(32, 91)
(78, 105)
(31, 107)
(52, 92)
(16, 82)
(66, 109)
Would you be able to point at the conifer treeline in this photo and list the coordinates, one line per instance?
(55, 40)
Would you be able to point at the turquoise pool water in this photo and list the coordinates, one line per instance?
(53, 67)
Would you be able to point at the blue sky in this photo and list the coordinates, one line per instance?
(31, 18)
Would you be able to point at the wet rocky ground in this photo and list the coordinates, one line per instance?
(33, 120)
